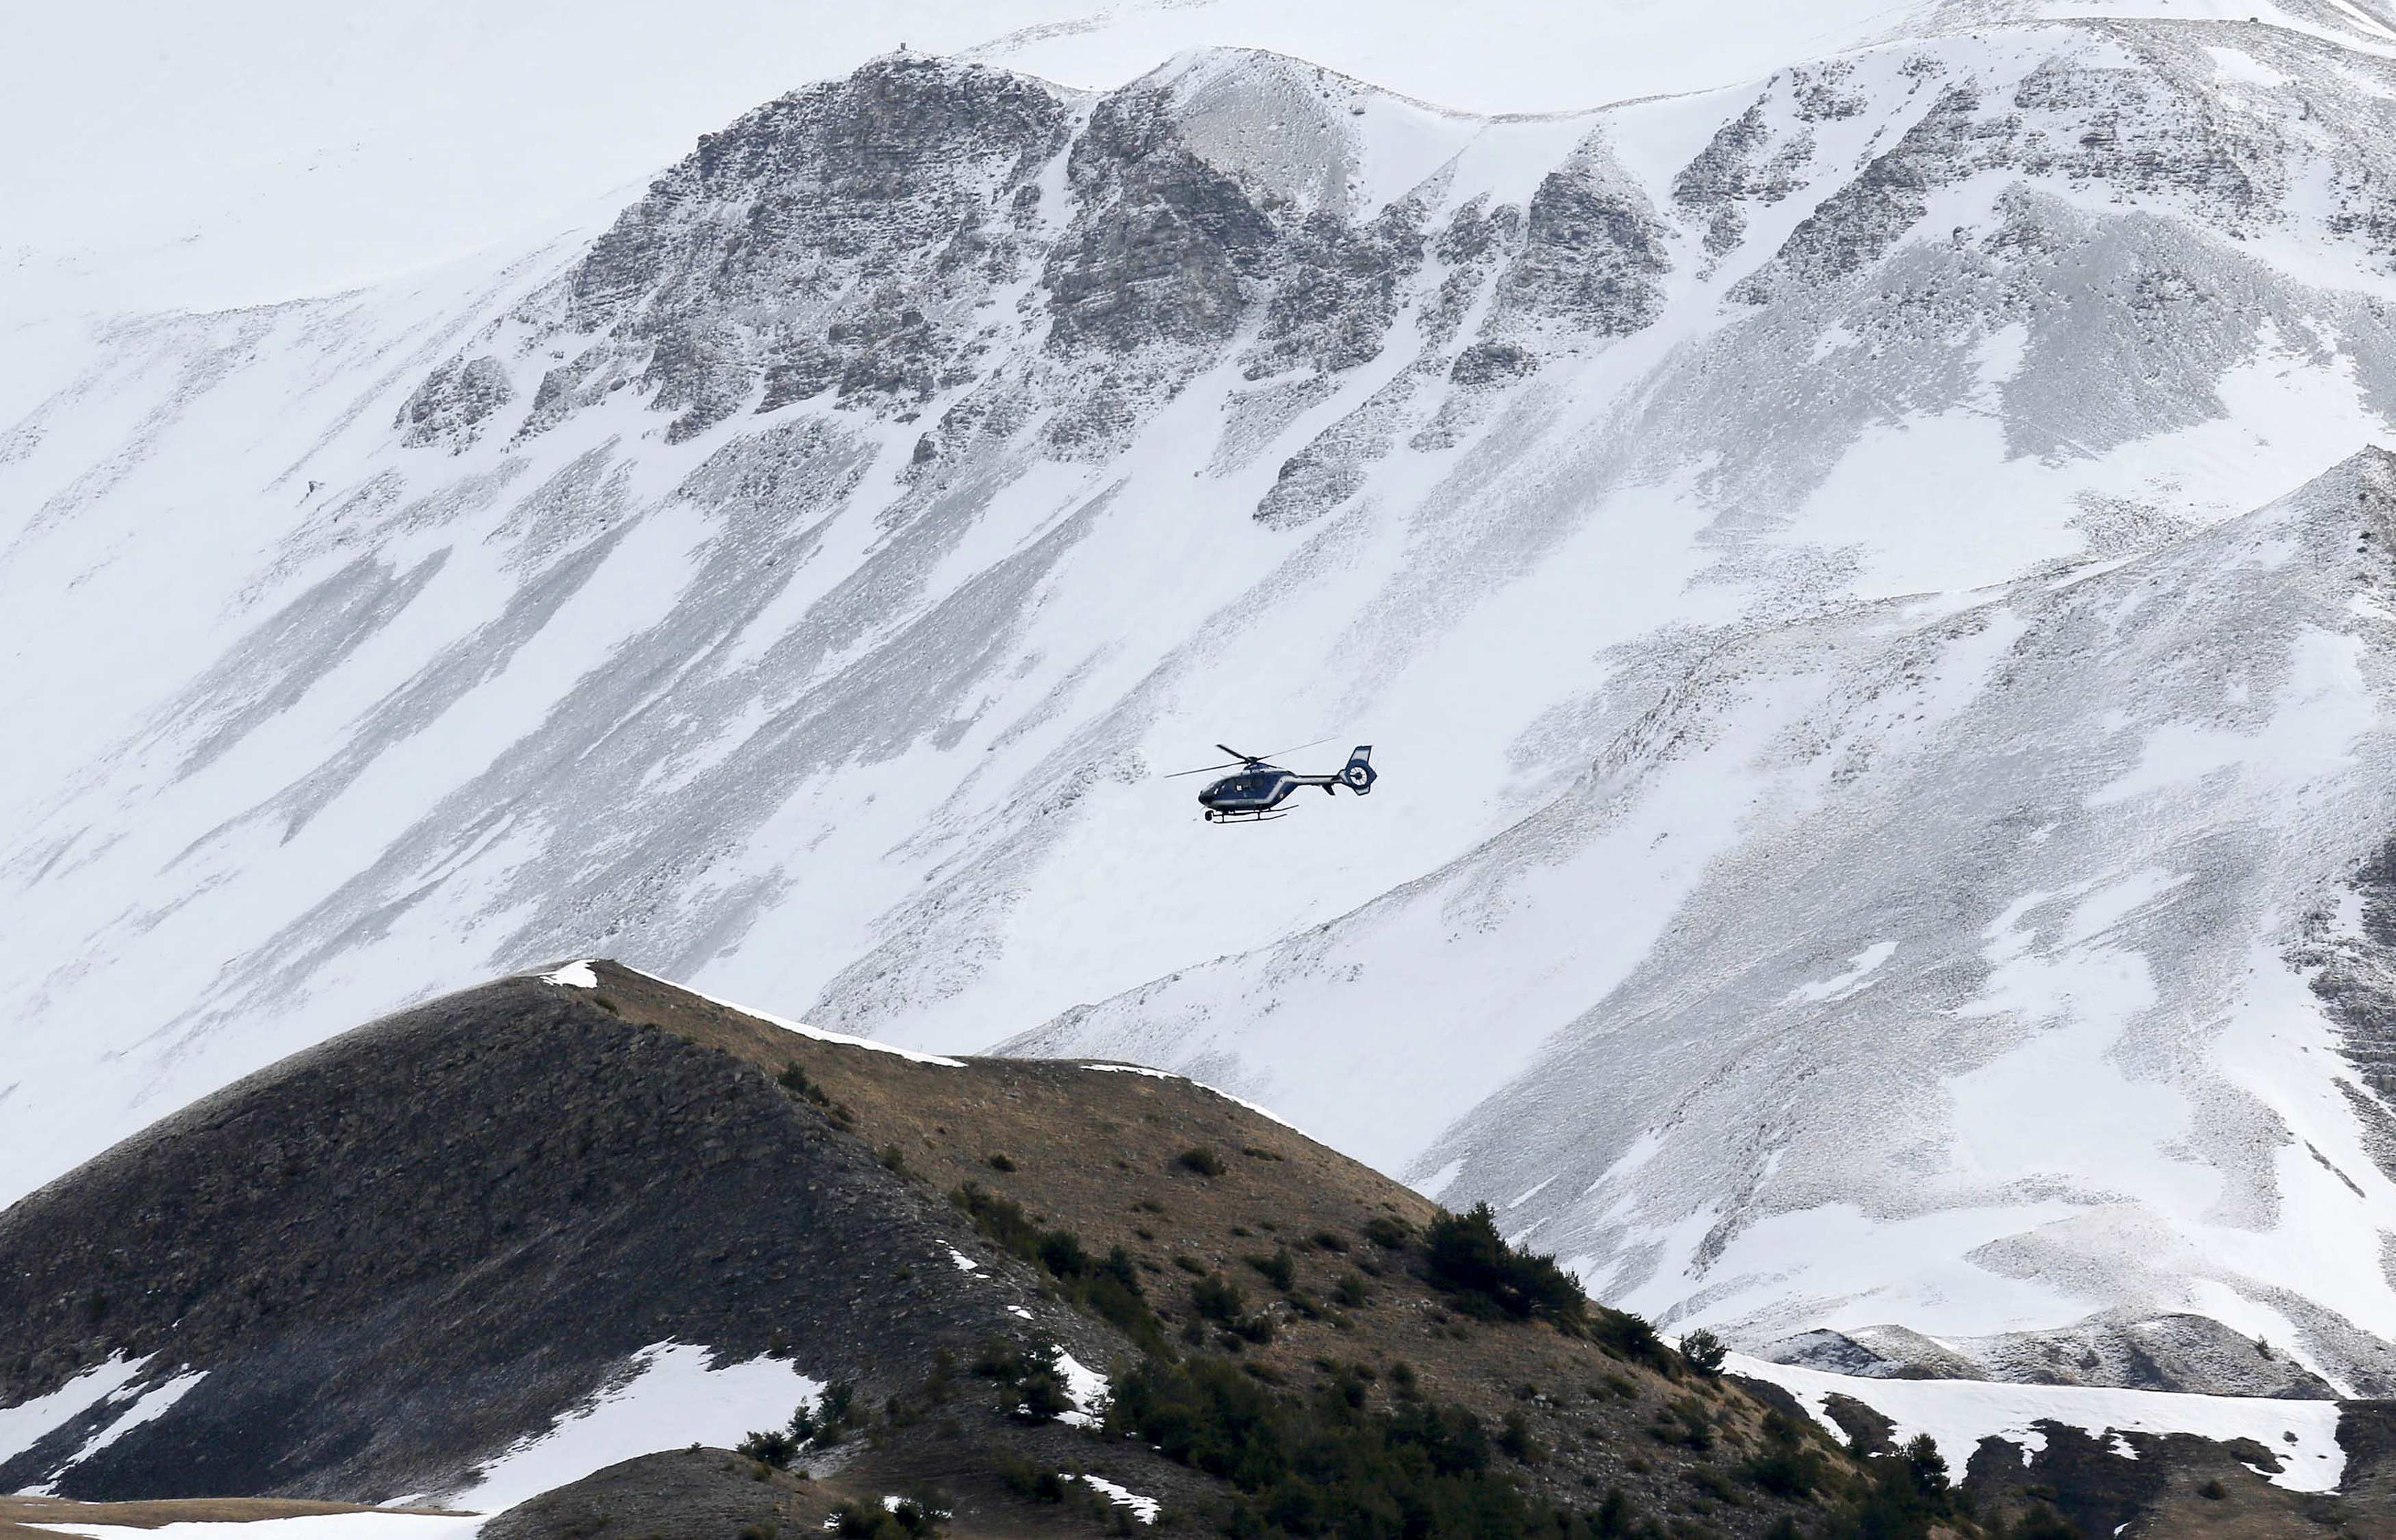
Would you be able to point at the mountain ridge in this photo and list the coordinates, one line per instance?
(487, 618)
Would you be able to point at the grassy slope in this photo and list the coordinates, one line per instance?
(1097, 1153)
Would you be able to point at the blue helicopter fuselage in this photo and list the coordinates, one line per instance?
(1255, 790)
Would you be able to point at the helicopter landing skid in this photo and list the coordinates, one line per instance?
(1261, 816)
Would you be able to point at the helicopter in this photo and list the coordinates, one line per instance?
(1259, 787)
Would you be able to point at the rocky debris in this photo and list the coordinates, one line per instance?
(1162, 242)
(2144, 132)
(1491, 363)
(1732, 169)
(1332, 467)
(1856, 225)
(843, 237)
(2352, 963)
(1339, 291)
(1827, 92)
(1472, 247)
(2177, 1352)
(1254, 418)
(2149, 133)
(767, 484)
(1592, 257)
(449, 408)
(1849, 1353)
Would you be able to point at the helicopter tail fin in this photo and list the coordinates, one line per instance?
(1358, 774)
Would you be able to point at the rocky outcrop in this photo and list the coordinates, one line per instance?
(449, 408)
(842, 240)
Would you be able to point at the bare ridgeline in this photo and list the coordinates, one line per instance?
(375, 1269)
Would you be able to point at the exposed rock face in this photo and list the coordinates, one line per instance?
(450, 407)
(844, 239)
(2174, 1352)
(1592, 255)
(1729, 171)
(1163, 242)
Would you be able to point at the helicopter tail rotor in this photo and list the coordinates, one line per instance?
(1358, 773)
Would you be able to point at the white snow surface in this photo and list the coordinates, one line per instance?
(313, 1526)
(25, 1424)
(149, 1406)
(1145, 1509)
(1088, 1390)
(1875, 753)
(668, 1396)
(574, 976)
(1959, 1413)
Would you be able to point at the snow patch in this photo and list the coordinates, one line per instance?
(149, 1407)
(669, 1398)
(574, 976)
(1087, 1386)
(1533, 1191)
(1439, 1181)
(367, 1525)
(1859, 967)
(26, 1425)
(1959, 1413)
(1145, 1509)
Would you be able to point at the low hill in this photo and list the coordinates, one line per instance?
(553, 1245)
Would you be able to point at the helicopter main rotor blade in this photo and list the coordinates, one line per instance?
(1279, 752)
(1201, 770)
(1239, 759)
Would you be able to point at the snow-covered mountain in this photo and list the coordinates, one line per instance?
(1881, 773)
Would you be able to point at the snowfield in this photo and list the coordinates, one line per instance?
(669, 1396)
(311, 1526)
(1868, 580)
(1958, 1413)
(665, 1395)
